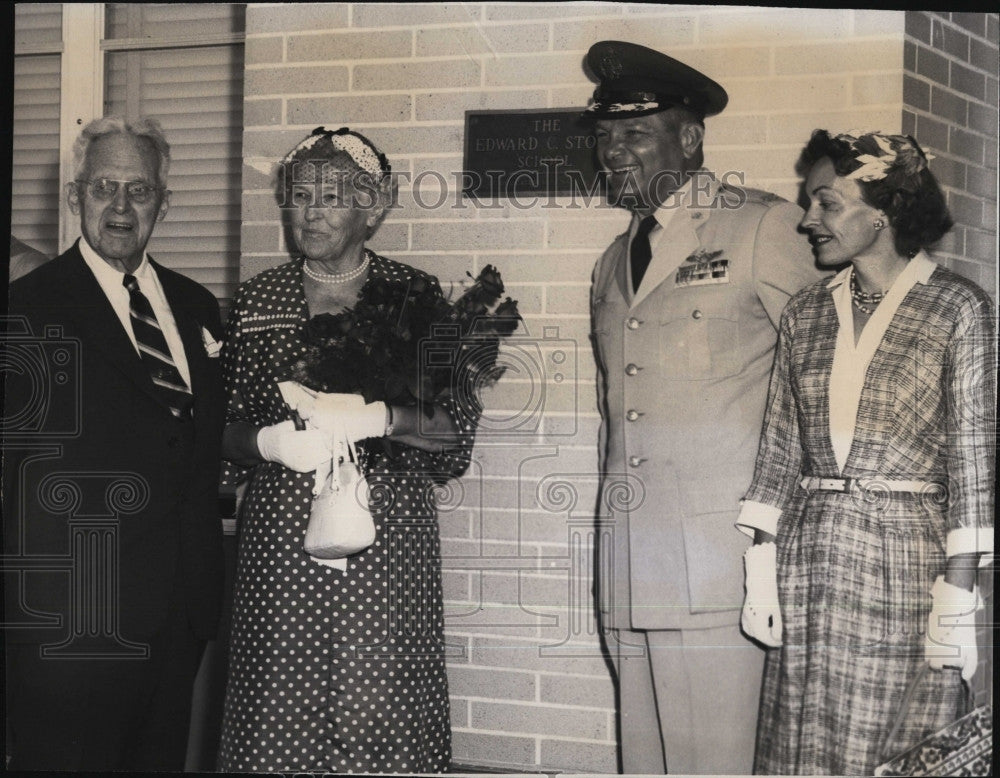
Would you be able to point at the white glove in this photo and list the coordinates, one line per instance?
(761, 618)
(951, 628)
(368, 421)
(295, 395)
(299, 450)
(338, 414)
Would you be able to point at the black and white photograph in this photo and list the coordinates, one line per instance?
(514, 388)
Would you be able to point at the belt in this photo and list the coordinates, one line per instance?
(814, 484)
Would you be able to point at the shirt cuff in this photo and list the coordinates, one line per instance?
(971, 540)
(757, 516)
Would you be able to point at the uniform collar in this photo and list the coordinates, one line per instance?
(687, 212)
(695, 196)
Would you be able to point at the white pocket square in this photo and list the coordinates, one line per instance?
(212, 347)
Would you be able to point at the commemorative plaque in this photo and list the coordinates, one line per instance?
(549, 151)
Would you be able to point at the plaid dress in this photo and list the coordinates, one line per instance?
(855, 571)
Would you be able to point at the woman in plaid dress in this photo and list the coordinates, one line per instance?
(871, 503)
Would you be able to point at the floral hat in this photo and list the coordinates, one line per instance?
(878, 155)
(361, 150)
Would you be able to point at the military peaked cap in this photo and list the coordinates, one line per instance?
(636, 81)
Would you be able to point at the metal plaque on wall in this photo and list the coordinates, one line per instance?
(548, 151)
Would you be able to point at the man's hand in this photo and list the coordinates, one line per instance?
(761, 618)
(951, 628)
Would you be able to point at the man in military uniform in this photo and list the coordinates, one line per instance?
(685, 308)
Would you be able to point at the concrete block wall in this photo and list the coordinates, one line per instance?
(950, 106)
(529, 688)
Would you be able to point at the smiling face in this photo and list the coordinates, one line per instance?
(119, 229)
(841, 224)
(647, 157)
(331, 221)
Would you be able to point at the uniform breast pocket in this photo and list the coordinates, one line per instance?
(701, 343)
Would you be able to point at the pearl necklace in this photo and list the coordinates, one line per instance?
(335, 278)
(862, 300)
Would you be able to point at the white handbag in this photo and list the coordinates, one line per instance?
(340, 523)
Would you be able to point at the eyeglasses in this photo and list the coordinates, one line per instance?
(106, 188)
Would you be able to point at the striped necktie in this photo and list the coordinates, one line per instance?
(155, 353)
(640, 251)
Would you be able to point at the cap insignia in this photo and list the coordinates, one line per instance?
(611, 65)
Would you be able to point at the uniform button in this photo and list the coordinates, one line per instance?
(631, 369)
(695, 314)
(635, 461)
(632, 415)
(633, 323)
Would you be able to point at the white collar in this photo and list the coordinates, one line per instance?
(107, 274)
(917, 271)
(669, 208)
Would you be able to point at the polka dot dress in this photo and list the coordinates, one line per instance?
(330, 670)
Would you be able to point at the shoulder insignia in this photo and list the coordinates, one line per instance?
(761, 196)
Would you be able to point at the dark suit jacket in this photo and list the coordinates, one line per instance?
(93, 442)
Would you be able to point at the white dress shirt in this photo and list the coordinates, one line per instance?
(112, 282)
(664, 215)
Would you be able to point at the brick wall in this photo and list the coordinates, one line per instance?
(950, 106)
(528, 685)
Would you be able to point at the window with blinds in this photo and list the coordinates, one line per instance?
(183, 64)
(35, 143)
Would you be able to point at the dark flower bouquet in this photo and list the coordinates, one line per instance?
(406, 344)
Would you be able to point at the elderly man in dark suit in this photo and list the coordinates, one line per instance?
(685, 307)
(113, 546)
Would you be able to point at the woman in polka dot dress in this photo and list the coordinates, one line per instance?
(331, 670)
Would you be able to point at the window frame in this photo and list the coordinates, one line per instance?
(81, 97)
(82, 81)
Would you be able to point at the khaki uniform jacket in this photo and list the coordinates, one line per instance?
(683, 369)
